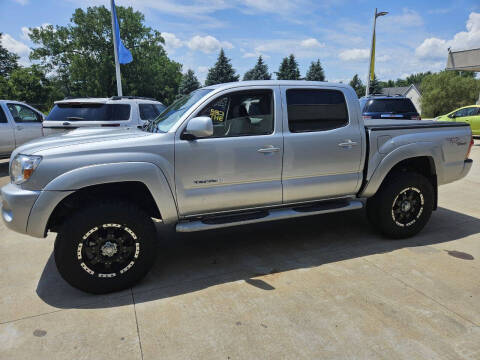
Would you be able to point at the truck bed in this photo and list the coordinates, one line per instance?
(389, 141)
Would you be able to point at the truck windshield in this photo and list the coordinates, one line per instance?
(174, 112)
(89, 112)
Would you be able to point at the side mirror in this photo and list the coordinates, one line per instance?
(198, 127)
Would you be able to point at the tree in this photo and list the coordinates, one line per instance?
(189, 83)
(81, 54)
(447, 91)
(412, 79)
(315, 72)
(389, 83)
(258, 72)
(30, 84)
(222, 71)
(375, 87)
(288, 69)
(8, 60)
(357, 85)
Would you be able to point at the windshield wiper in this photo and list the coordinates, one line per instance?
(75, 118)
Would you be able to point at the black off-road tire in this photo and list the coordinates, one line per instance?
(381, 209)
(136, 229)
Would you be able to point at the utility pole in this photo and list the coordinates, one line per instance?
(371, 67)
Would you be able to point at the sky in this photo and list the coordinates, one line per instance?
(413, 37)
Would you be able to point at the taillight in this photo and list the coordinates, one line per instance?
(366, 117)
(416, 117)
(469, 148)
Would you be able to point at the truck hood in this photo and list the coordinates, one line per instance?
(78, 136)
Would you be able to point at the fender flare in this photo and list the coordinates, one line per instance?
(405, 152)
(67, 183)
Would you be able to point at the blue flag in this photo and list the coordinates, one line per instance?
(124, 55)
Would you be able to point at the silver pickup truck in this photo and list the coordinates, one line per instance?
(225, 155)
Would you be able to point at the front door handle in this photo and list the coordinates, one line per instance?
(348, 143)
(19, 127)
(268, 149)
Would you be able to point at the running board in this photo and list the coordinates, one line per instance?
(266, 215)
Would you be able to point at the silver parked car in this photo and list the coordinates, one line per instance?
(226, 155)
(19, 123)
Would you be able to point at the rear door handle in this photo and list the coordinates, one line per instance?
(348, 143)
(268, 149)
(19, 127)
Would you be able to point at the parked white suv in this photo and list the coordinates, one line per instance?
(116, 111)
(19, 123)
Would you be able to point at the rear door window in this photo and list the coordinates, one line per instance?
(397, 106)
(316, 110)
(471, 111)
(90, 112)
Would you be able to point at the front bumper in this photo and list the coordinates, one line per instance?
(27, 211)
(16, 206)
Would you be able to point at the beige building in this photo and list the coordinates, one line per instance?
(412, 92)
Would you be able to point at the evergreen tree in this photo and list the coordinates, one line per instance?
(375, 87)
(357, 85)
(259, 71)
(8, 60)
(222, 72)
(288, 69)
(189, 83)
(315, 72)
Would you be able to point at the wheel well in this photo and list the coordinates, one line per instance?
(132, 191)
(422, 165)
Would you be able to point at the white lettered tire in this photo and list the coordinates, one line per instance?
(106, 247)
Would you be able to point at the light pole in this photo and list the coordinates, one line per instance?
(371, 68)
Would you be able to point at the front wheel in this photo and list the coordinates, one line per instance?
(402, 206)
(106, 247)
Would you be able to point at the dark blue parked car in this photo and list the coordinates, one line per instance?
(388, 107)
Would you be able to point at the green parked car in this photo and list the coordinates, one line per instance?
(469, 114)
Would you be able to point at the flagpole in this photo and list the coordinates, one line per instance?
(367, 90)
(115, 50)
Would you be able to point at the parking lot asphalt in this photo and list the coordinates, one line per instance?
(324, 287)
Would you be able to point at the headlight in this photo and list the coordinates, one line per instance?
(22, 167)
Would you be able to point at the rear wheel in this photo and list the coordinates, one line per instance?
(105, 248)
(402, 206)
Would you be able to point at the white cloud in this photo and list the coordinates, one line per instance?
(306, 48)
(202, 69)
(383, 58)
(311, 43)
(436, 48)
(16, 47)
(207, 44)
(172, 42)
(354, 54)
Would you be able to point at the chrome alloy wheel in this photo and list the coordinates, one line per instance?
(407, 207)
(108, 250)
